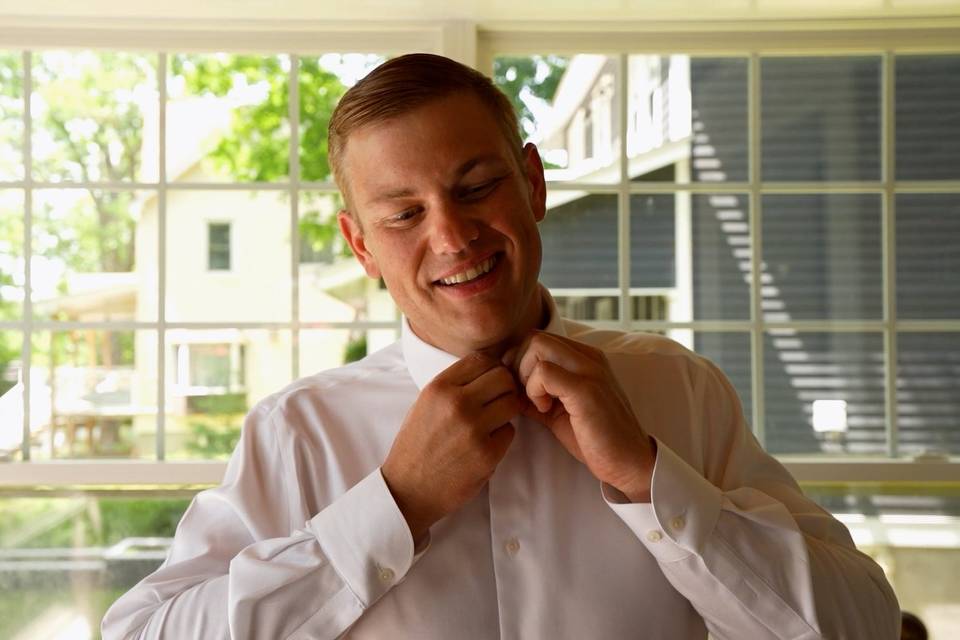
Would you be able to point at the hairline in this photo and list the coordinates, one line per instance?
(508, 134)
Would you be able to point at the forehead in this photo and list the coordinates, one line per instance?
(433, 139)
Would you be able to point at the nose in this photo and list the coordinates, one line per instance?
(453, 229)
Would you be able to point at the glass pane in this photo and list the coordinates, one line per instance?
(323, 81)
(228, 118)
(730, 352)
(822, 257)
(824, 392)
(214, 376)
(928, 256)
(257, 285)
(579, 235)
(333, 285)
(11, 254)
(687, 119)
(914, 536)
(66, 559)
(654, 221)
(94, 116)
(928, 117)
(328, 348)
(820, 118)
(94, 255)
(928, 392)
(699, 247)
(11, 395)
(588, 308)
(93, 394)
(11, 115)
(569, 108)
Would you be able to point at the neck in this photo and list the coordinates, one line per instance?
(540, 318)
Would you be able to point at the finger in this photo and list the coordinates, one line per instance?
(549, 380)
(492, 384)
(544, 347)
(502, 410)
(467, 369)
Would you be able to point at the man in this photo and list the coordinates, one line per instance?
(499, 472)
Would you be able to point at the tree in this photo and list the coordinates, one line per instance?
(256, 146)
(89, 120)
(528, 79)
(11, 224)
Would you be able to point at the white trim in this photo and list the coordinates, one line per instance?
(725, 38)
(253, 37)
(178, 473)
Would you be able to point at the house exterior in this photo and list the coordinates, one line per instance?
(822, 252)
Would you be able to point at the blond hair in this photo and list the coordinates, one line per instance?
(403, 84)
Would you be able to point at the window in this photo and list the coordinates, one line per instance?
(218, 247)
(759, 199)
(210, 368)
(710, 200)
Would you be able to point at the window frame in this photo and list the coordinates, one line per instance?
(477, 44)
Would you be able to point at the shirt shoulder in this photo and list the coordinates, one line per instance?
(630, 342)
(654, 355)
(378, 372)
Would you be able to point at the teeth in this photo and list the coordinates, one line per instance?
(470, 274)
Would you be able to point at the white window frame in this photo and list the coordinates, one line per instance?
(477, 45)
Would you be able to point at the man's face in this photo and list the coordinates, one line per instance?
(448, 219)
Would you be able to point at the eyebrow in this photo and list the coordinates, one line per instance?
(462, 170)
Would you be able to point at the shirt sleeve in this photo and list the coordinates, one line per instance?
(238, 569)
(735, 535)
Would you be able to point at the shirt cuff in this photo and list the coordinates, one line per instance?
(682, 513)
(366, 538)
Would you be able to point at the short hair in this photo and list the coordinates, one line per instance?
(405, 83)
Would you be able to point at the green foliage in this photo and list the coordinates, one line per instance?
(220, 405)
(356, 349)
(215, 424)
(529, 76)
(125, 518)
(90, 107)
(212, 440)
(89, 521)
(256, 147)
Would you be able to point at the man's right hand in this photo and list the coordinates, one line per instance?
(452, 439)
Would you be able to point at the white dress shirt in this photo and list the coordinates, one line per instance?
(304, 540)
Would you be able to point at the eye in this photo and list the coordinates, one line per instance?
(478, 191)
(398, 219)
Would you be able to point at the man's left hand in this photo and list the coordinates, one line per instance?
(573, 392)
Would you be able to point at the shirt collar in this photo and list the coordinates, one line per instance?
(425, 361)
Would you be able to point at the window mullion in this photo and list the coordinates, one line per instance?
(162, 256)
(888, 233)
(26, 351)
(293, 106)
(623, 196)
(756, 247)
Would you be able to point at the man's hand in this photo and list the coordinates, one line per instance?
(573, 392)
(452, 439)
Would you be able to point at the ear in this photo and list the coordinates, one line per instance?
(536, 180)
(353, 234)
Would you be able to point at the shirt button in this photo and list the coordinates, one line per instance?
(654, 536)
(387, 574)
(512, 546)
(678, 523)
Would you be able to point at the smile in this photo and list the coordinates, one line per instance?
(472, 273)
